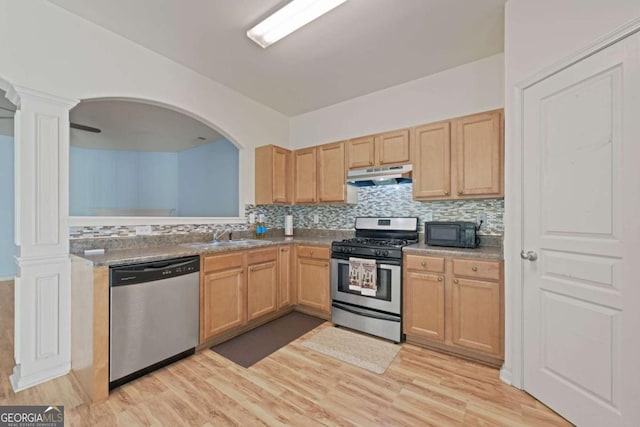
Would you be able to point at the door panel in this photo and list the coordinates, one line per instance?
(305, 176)
(261, 290)
(332, 175)
(424, 305)
(581, 208)
(432, 161)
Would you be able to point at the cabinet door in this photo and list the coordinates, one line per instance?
(305, 176)
(223, 297)
(332, 174)
(281, 175)
(424, 305)
(262, 289)
(361, 152)
(431, 161)
(393, 148)
(285, 285)
(476, 315)
(313, 283)
(479, 155)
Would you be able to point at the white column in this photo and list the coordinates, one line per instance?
(43, 282)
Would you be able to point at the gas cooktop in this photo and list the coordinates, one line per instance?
(371, 241)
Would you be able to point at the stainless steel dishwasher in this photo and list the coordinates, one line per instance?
(154, 316)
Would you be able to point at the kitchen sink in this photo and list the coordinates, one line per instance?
(225, 243)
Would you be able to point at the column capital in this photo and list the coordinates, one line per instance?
(18, 94)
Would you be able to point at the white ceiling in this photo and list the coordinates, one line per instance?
(360, 47)
(137, 126)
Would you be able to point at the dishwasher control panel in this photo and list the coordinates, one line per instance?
(156, 270)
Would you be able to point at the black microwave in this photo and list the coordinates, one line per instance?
(457, 234)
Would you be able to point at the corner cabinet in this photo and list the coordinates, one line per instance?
(242, 289)
(455, 305)
(312, 279)
(273, 175)
(286, 272)
(222, 294)
(459, 159)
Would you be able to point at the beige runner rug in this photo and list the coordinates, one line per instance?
(366, 352)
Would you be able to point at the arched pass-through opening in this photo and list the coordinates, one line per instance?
(132, 159)
(7, 193)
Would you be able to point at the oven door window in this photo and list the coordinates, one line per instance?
(384, 282)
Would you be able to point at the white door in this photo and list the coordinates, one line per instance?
(581, 197)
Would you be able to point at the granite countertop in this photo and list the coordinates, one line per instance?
(155, 253)
(488, 252)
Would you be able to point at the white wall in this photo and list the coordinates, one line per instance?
(49, 49)
(470, 88)
(538, 34)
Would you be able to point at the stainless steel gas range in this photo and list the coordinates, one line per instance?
(366, 276)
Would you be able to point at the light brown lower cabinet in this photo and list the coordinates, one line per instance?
(312, 278)
(286, 290)
(222, 295)
(455, 305)
(241, 290)
(262, 282)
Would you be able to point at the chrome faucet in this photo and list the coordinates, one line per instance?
(217, 234)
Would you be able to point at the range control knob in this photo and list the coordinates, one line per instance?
(385, 253)
(378, 252)
(350, 250)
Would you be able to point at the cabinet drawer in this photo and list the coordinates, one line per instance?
(222, 262)
(477, 269)
(425, 263)
(258, 256)
(313, 252)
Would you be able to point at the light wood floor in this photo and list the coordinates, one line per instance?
(294, 386)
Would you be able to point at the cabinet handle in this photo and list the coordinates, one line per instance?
(242, 271)
(423, 263)
(326, 264)
(460, 192)
(311, 253)
(370, 163)
(446, 193)
(455, 281)
(439, 279)
(251, 269)
(474, 268)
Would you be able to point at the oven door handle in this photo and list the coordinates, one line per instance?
(367, 313)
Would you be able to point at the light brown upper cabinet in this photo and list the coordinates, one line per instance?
(479, 151)
(274, 166)
(432, 161)
(320, 175)
(361, 152)
(390, 148)
(459, 159)
(332, 174)
(305, 176)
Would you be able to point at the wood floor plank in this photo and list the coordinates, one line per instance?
(293, 386)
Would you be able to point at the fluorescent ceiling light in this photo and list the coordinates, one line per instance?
(285, 21)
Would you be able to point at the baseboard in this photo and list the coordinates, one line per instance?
(19, 383)
(505, 376)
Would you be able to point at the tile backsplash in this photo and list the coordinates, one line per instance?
(388, 200)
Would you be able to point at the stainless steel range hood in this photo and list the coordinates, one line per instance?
(380, 176)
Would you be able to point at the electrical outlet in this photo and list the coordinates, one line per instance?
(428, 216)
(316, 218)
(252, 218)
(481, 217)
(143, 230)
